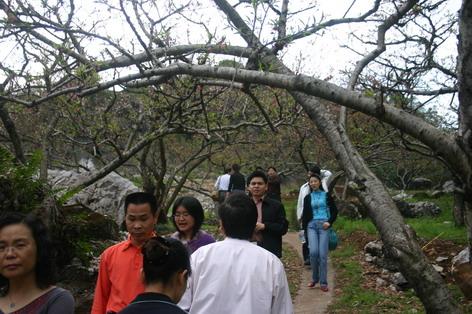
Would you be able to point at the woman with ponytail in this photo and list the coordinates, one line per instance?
(166, 267)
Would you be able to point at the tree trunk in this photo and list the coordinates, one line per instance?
(464, 76)
(399, 239)
(14, 137)
(458, 208)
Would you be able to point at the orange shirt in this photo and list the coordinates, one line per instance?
(119, 278)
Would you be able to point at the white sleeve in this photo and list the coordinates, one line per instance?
(217, 183)
(325, 174)
(281, 302)
(186, 301)
(301, 196)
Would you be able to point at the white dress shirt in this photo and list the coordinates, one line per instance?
(305, 190)
(236, 276)
(222, 183)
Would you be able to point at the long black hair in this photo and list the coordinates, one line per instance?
(45, 269)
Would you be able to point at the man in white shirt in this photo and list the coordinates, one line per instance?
(222, 185)
(304, 191)
(235, 275)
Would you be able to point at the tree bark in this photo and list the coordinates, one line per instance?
(464, 77)
(11, 130)
(458, 209)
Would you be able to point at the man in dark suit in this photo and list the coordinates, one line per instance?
(271, 222)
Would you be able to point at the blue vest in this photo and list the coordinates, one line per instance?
(319, 205)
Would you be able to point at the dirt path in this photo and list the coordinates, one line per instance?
(310, 301)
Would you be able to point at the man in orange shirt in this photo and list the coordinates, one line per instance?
(119, 276)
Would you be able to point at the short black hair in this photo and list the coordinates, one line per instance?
(162, 258)
(257, 174)
(141, 198)
(271, 167)
(315, 169)
(236, 167)
(238, 215)
(45, 268)
(194, 208)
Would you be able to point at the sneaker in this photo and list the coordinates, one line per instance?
(324, 288)
(312, 284)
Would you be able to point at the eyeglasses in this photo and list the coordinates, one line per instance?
(184, 215)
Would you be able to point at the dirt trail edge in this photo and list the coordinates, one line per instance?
(310, 301)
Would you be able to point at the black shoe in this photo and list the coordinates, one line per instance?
(307, 262)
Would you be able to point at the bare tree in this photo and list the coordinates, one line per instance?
(152, 58)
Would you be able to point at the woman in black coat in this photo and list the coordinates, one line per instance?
(319, 214)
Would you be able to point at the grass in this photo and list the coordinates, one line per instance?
(290, 206)
(442, 225)
(355, 297)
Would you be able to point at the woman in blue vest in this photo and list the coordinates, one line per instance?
(319, 214)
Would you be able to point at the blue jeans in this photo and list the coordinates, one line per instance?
(318, 245)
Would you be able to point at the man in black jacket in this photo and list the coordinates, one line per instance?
(271, 222)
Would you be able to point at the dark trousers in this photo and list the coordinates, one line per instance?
(305, 250)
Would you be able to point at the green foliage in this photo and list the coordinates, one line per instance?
(19, 189)
(291, 213)
(348, 226)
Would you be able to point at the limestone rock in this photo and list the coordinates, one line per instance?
(105, 196)
(419, 209)
(374, 248)
(399, 281)
(448, 186)
(401, 196)
(462, 272)
(420, 184)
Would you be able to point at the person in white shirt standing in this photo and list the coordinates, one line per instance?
(304, 191)
(222, 185)
(235, 275)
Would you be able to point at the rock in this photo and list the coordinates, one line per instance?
(462, 272)
(420, 209)
(105, 196)
(448, 186)
(352, 207)
(440, 259)
(374, 248)
(420, 184)
(379, 282)
(399, 281)
(369, 258)
(438, 268)
(437, 194)
(401, 196)
(402, 205)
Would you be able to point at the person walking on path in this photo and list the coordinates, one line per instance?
(271, 222)
(304, 191)
(119, 273)
(166, 267)
(236, 181)
(319, 214)
(234, 275)
(273, 187)
(187, 217)
(222, 185)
